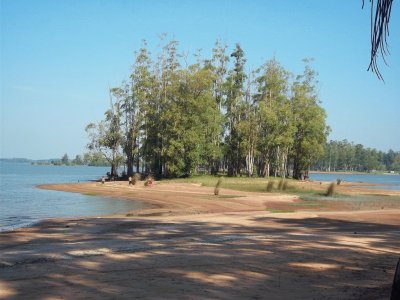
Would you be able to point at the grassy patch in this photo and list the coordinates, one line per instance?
(230, 196)
(321, 196)
(278, 211)
(90, 194)
(244, 184)
(305, 203)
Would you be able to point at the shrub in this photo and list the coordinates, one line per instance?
(280, 184)
(330, 190)
(148, 181)
(270, 186)
(285, 185)
(217, 186)
(135, 178)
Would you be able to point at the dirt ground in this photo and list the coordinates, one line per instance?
(190, 244)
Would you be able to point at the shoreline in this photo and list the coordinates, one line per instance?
(158, 207)
(193, 245)
(353, 173)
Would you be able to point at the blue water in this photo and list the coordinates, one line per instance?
(388, 182)
(22, 204)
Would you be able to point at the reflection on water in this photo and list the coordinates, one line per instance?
(22, 204)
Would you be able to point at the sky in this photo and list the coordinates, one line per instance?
(59, 58)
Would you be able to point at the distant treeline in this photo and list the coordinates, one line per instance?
(88, 159)
(347, 156)
(173, 118)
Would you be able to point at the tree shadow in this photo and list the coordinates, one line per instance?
(267, 258)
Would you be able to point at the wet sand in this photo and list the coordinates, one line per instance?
(191, 245)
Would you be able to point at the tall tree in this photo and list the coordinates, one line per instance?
(276, 128)
(138, 109)
(309, 120)
(234, 106)
(105, 137)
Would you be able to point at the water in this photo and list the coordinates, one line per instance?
(22, 204)
(387, 182)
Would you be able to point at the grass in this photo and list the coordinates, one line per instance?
(244, 184)
(306, 203)
(230, 196)
(331, 189)
(278, 211)
(310, 198)
(90, 194)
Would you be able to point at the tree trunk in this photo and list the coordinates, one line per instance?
(129, 165)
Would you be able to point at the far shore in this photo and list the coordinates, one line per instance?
(191, 244)
(353, 172)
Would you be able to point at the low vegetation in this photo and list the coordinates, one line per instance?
(247, 184)
(331, 189)
(218, 186)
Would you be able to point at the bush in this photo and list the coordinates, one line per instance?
(149, 181)
(330, 190)
(285, 185)
(280, 184)
(270, 186)
(135, 178)
(217, 186)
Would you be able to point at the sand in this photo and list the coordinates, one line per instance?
(191, 245)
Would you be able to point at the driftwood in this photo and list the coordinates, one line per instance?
(396, 284)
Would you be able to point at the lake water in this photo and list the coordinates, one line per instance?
(384, 181)
(22, 204)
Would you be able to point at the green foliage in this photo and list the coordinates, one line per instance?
(347, 156)
(105, 137)
(95, 159)
(65, 159)
(311, 129)
(173, 118)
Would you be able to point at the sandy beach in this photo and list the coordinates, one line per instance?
(189, 244)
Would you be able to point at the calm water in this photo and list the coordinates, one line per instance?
(388, 182)
(21, 204)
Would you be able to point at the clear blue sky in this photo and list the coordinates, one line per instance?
(58, 59)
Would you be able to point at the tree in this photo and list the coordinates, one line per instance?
(275, 118)
(139, 111)
(78, 160)
(234, 109)
(175, 118)
(65, 159)
(309, 120)
(396, 163)
(105, 137)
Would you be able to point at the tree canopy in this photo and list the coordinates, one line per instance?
(174, 117)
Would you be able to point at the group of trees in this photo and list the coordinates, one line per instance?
(346, 156)
(172, 117)
(88, 159)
